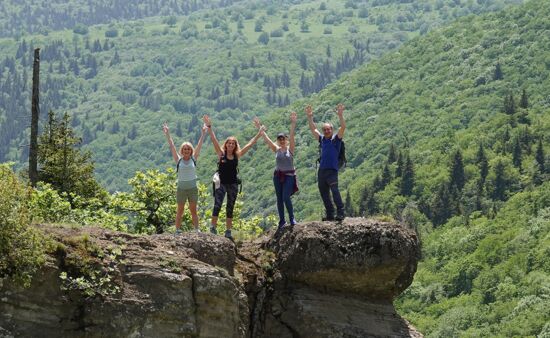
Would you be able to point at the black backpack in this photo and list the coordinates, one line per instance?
(341, 155)
(239, 180)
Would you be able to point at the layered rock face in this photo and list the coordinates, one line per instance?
(311, 280)
(337, 280)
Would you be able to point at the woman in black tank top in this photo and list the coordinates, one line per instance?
(229, 154)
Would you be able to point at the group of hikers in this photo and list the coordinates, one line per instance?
(226, 181)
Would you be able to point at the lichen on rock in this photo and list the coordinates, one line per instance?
(311, 280)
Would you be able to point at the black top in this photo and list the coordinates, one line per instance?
(228, 170)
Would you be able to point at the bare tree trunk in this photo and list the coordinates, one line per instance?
(33, 151)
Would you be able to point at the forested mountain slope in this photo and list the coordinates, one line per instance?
(440, 93)
(469, 106)
(18, 17)
(120, 80)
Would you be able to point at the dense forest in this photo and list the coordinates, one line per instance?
(119, 81)
(450, 136)
(447, 131)
(41, 17)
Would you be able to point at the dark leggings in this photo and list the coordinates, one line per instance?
(219, 195)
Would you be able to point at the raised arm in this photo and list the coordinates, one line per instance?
(199, 145)
(292, 144)
(314, 131)
(208, 124)
(342, 129)
(273, 146)
(249, 145)
(170, 142)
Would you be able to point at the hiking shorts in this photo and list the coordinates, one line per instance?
(191, 195)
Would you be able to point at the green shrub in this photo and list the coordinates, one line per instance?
(21, 246)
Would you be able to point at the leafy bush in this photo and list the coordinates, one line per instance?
(21, 246)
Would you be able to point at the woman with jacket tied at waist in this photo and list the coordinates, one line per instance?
(284, 177)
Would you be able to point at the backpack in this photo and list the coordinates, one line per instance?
(341, 155)
(181, 158)
(216, 178)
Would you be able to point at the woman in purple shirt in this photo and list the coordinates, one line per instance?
(284, 177)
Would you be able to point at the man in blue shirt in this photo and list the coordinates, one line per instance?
(327, 177)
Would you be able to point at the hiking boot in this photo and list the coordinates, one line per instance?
(328, 218)
(197, 230)
(228, 235)
(339, 218)
(178, 232)
(293, 222)
(213, 230)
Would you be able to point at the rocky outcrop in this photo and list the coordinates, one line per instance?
(311, 280)
(336, 280)
(168, 286)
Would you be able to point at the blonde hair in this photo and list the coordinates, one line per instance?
(237, 146)
(189, 145)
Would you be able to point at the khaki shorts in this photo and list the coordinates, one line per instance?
(184, 195)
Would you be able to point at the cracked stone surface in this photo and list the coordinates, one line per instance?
(316, 279)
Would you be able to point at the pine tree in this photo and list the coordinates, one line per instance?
(226, 87)
(62, 163)
(499, 189)
(509, 105)
(386, 176)
(407, 179)
(132, 134)
(441, 209)
(87, 135)
(457, 171)
(399, 168)
(539, 157)
(524, 102)
(377, 184)
(285, 78)
(115, 128)
(526, 139)
(505, 139)
(392, 155)
(498, 75)
(115, 60)
(235, 74)
(303, 61)
(516, 153)
(482, 163)
(304, 84)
